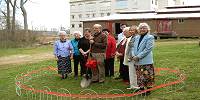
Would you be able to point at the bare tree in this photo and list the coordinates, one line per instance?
(2, 17)
(8, 25)
(13, 15)
(22, 3)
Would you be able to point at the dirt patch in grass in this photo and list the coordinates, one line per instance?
(25, 58)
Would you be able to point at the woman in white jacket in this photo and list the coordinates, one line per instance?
(129, 47)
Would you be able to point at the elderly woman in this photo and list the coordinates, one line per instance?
(76, 55)
(143, 57)
(133, 31)
(84, 48)
(120, 53)
(63, 52)
(110, 53)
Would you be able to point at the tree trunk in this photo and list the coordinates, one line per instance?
(8, 26)
(24, 14)
(13, 17)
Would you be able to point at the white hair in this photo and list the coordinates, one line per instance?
(78, 32)
(126, 29)
(97, 25)
(62, 32)
(144, 25)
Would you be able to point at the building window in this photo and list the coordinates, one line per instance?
(80, 25)
(73, 16)
(72, 6)
(73, 25)
(88, 15)
(102, 14)
(80, 16)
(121, 4)
(93, 15)
(108, 14)
(156, 2)
(134, 2)
(180, 20)
(80, 5)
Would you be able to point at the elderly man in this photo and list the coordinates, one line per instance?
(99, 44)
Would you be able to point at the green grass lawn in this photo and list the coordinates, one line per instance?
(179, 55)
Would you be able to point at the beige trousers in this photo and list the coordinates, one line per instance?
(98, 74)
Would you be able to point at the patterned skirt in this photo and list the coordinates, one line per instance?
(145, 75)
(64, 65)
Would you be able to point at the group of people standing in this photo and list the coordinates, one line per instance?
(133, 50)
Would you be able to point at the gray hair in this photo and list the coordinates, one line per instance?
(144, 25)
(62, 32)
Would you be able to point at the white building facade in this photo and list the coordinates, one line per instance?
(132, 5)
(163, 3)
(86, 9)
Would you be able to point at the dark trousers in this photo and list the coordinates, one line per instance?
(109, 67)
(125, 75)
(84, 69)
(76, 62)
(123, 70)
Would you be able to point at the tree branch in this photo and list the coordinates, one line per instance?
(11, 3)
(17, 7)
(25, 2)
(6, 1)
(3, 13)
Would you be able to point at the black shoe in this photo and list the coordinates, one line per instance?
(76, 77)
(95, 81)
(145, 93)
(107, 76)
(148, 92)
(139, 90)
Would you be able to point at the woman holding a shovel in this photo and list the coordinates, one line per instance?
(84, 48)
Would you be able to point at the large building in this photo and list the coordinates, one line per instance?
(87, 9)
(174, 21)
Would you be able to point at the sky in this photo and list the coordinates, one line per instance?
(56, 13)
(48, 13)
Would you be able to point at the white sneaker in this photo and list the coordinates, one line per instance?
(129, 88)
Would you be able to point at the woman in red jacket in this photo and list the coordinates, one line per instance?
(110, 54)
